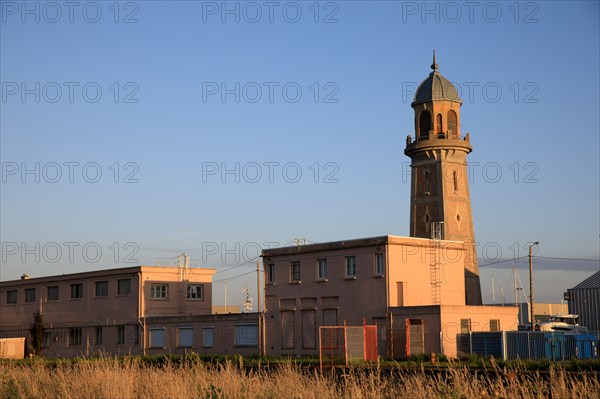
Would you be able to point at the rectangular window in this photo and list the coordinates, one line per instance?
(465, 325)
(195, 292)
(47, 339)
(136, 335)
(350, 266)
(185, 337)
(207, 336)
(271, 273)
(120, 335)
(455, 181)
(77, 291)
(495, 325)
(246, 334)
(124, 286)
(52, 294)
(74, 336)
(157, 338)
(11, 297)
(295, 271)
(101, 288)
(159, 291)
(30, 295)
(379, 267)
(322, 269)
(98, 335)
(426, 182)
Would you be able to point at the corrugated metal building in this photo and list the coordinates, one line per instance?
(584, 300)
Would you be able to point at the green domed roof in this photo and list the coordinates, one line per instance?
(435, 87)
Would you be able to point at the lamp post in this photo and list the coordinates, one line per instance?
(531, 284)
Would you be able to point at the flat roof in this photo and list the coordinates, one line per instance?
(98, 273)
(353, 243)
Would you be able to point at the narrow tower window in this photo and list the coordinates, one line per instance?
(426, 182)
(424, 125)
(439, 124)
(455, 181)
(452, 123)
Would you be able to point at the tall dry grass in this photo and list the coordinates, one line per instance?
(108, 378)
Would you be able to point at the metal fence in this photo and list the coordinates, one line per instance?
(510, 345)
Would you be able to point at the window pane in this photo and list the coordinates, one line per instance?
(158, 291)
(195, 291)
(271, 273)
(120, 335)
(379, 264)
(350, 266)
(157, 338)
(30, 295)
(185, 337)
(124, 286)
(76, 291)
(322, 268)
(207, 336)
(101, 288)
(98, 336)
(52, 293)
(11, 297)
(246, 334)
(295, 271)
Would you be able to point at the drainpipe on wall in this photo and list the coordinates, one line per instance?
(141, 319)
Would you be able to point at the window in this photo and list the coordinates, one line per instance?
(120, 340)
(455, 181)
(74, 336)
(11, 297)
(30, 295)
(101, 288)
(136, 335)
(271, 273)
(207, 336)
(98, 335)
(439, 124)
(195, 292)
(379, 268)
(185, 337)
(47, 339)
(424, 125)
(322, 269)
(157, 338)
(77, 291)
(295, 271)
(495, 325)
(426, 182)
(350, 266)
(452, 121)
(465, 325)
(246, 334)
(159, 291)
(52, 294)
(124, 287)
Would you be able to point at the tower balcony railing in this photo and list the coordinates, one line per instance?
(448, 135)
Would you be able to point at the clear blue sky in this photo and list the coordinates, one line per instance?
(528, 73)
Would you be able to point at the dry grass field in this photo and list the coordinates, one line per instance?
(109, 378)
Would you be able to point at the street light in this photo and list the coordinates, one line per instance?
(531, 284)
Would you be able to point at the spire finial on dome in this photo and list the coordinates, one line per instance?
(434, 66)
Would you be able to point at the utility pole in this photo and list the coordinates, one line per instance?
(531, 284)
(258, 287)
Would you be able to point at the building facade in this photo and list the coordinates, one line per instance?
(388, 281)
(134, 310)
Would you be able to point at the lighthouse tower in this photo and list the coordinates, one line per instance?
(440, 201)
